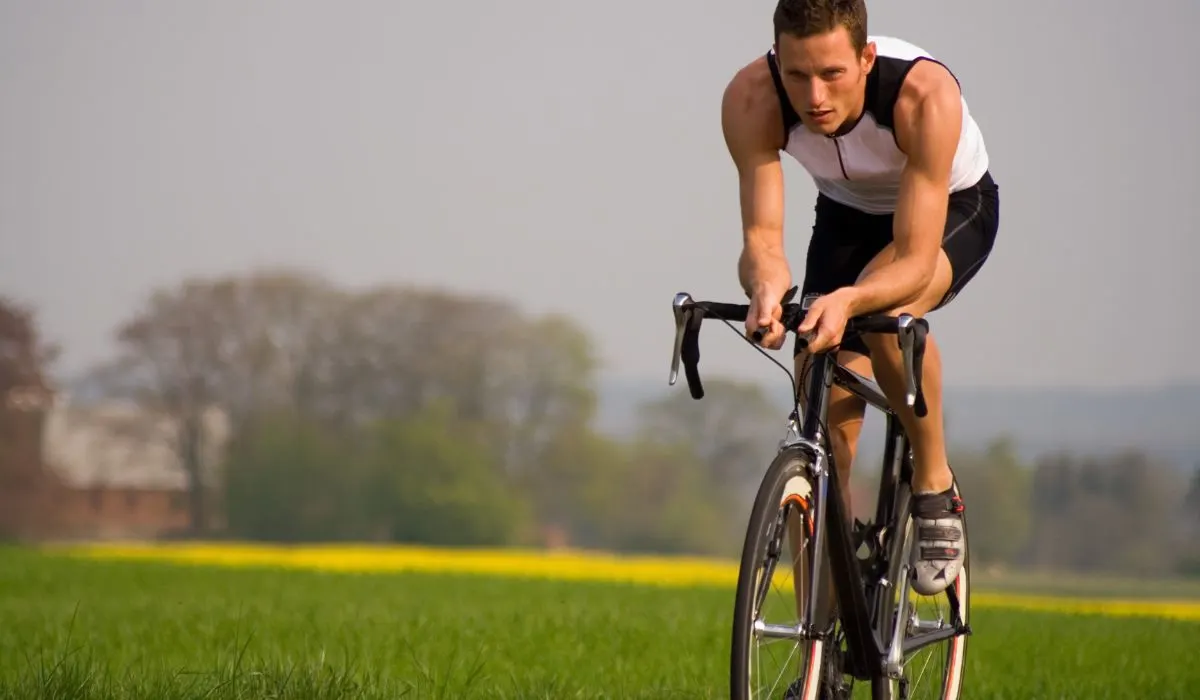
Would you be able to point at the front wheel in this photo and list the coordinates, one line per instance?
(770, 655)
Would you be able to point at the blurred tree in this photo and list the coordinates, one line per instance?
(1191, 501)
(670, 506)
(734, 431)
(996, 487)
(279, 342)
(24, 356)
(1189, 530)
(579, 489)
(548, 386)
(25, 395)
(1148, 495)
(513, 379)
(399, 348)
(293, 480)
(1110, 513)
(245, 345)
(426, 483)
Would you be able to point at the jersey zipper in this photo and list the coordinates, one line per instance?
(841, 164)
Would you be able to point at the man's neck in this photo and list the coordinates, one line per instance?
(853, 120)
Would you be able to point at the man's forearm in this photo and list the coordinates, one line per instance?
(919, 220)
(763, 269)
(894, 284)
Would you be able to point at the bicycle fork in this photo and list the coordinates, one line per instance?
(826, 511)
(868, 656)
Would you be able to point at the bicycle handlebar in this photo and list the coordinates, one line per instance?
(689, 314)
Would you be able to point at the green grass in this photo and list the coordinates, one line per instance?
(1089, 586)
(91, 629)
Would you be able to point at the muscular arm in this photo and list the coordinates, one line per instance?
(928, 122)
(753, 131)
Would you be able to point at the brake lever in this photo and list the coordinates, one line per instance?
(920, 332)
(682, 309)
(906, 336)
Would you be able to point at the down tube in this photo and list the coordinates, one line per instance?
(834, 533)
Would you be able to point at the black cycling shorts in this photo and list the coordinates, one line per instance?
(844, 240)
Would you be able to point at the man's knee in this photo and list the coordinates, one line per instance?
(881, 344)
(929, 296)
(927, 300)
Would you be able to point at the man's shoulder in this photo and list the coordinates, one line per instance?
(928, 102)
(926, 81)
(751, 90)
(750, 108)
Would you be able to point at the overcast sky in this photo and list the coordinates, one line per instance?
(569, 156)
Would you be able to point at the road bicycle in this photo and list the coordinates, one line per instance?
(850, 613)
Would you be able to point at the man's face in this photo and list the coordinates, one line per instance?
(824, 77)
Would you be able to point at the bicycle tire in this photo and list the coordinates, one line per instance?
(791, 463)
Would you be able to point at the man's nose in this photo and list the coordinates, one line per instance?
(816, 93)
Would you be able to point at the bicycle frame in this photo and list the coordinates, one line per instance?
(863, 620)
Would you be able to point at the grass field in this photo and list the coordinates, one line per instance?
(92, 626)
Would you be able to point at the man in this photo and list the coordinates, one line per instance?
(905, 216)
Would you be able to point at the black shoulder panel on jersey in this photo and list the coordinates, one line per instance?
(790, 118)
(883, 86)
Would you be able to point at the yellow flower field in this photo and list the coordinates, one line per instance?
(567, 565)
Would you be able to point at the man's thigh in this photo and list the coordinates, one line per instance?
(844, 242)
(972, 220)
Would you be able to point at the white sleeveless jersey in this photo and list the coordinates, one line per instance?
(862, 169)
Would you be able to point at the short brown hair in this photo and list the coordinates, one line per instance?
(804, 18)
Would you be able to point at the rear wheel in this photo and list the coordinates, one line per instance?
(771, 657)
(932, 671)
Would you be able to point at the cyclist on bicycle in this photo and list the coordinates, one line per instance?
(906, 214)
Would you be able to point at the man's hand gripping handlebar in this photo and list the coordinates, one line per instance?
(689, 314)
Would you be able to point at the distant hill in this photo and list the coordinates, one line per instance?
(1164, 421)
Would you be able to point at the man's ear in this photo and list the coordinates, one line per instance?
(868, 57)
